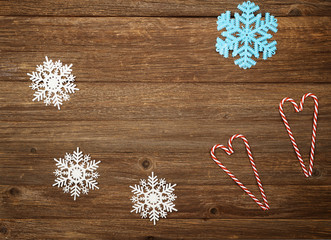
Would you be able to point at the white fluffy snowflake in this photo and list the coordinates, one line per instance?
(76, 173)
(153, 198)
(53, 82)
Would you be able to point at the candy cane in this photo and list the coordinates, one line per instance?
(313, 138)
(229, 151)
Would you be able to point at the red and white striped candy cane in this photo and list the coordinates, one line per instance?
(313, 137)
(229, 151)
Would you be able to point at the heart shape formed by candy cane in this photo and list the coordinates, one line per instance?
(313, 137)
(229, 150)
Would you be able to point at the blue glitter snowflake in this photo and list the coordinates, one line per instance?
(246, 35)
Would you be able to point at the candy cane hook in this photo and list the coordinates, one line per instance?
(289, 131)
(229, 151)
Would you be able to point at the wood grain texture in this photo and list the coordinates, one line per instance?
(159, 50)
(194, 201)
(155, 96)
(171, 127)
(170, 229)
(156, 8)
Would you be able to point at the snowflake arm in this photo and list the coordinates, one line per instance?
(39, 95)
(137, 189)
(91, 183)
(169, 206)
(138, 207)
(168, 188)
(35, 77)
(154, 215)
(268, 49)
(65, 71)
(75, 191)
(92, 165)
(230, 42)
(61, 163)
(152, 180)
(60, 181)
(57, 101)
(77, 156)
(70, 87)
(48, 65)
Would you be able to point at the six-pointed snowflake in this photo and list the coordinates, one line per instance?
(76, 173)
(52, 83)
(154, 198)
(246, 35)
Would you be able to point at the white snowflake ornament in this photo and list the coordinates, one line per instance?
(153, 198)
(76, 173)
(52, 82)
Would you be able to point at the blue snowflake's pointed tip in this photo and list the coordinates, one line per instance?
(246, 3)
(249, 3)
(245, 63)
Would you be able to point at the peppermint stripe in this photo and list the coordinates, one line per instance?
(229, 150)
(289, 131)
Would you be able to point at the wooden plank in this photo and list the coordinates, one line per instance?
(20, 166)
(159, 50)
(201, 102)
(193, 201)
(156, 8)
(166, 229)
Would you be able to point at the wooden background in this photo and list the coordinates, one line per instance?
(155, 96)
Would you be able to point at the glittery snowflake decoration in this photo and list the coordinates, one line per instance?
(246, 35)
(53, 82)
(154, 198)
(76, 173)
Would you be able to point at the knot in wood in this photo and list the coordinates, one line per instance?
(213, 211)
(146, 164)
(3, 230)
(14, 191)
(316, 173)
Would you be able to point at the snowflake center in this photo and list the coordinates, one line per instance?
(153, 198)
(53, 82)
(76, 173)
(247, 34)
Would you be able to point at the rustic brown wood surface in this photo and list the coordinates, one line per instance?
(155, 96)
(198, 8)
